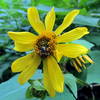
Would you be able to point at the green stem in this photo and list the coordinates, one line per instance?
(81, 82)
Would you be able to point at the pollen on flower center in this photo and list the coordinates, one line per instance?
(45, 46)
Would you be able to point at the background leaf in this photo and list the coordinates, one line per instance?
(93, 75)
(70, 80)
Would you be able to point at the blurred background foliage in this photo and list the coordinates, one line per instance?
(13, 17)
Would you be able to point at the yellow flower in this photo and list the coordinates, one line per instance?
(48, 46)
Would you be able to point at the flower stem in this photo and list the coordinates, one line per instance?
(81, 82)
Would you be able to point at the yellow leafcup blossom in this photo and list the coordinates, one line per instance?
(47, 47)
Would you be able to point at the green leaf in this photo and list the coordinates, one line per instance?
(94, 38)
(3, 67)
(3, 38)
(66, 95)
(70, 80)
(59, 11)
(93, 75)
(87, 20)
(84, 43)
(11, 90)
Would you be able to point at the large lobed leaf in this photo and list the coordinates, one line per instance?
(11, 90)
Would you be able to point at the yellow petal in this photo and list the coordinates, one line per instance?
(67, 21)
(50, 20)
(34, 19)
(76, 66)
(58, 55)
(72, 35)
(46, 80)
(88, 59)
(21, 63)
(27, 73)
(72, 50)
(55, 74)
(78, 62)
(22, 37)
(81, 59)
(23, 47)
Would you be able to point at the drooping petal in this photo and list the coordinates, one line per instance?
(78, 62)
(67, 21)
(47, 83)
(76, 66)
(23, 47)
(72, 50)
(34, 19)
(72, 35)
(21, 63)
(81, 59)
(50, 20)
(55, 74)
(88, 59)
(27, 73)
(22, 37)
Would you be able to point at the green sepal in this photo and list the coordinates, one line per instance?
(36, 84)
(29, 92)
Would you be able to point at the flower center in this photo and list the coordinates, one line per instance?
(45, 46)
